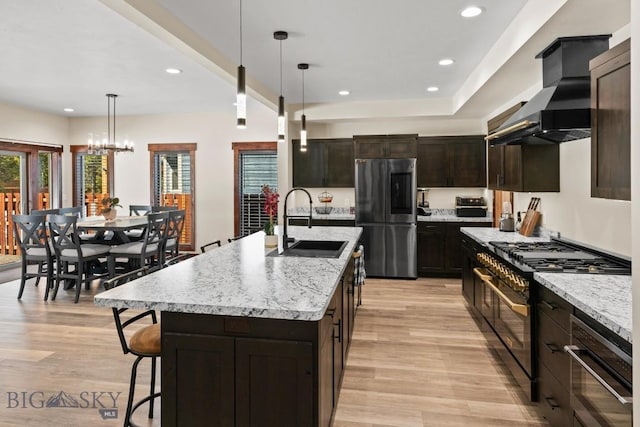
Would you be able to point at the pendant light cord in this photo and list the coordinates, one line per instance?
(280, 67)
(302, 92)
(240, 32)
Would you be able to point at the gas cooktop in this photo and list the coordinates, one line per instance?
(557, 256)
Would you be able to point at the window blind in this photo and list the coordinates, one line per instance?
(256, 169)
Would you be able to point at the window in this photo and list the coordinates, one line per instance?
(92, 179)
(256, 164)
(172, 177)
(29, 179)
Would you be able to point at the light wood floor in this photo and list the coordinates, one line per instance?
(417, 359)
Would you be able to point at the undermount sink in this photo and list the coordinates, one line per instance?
(314, 249)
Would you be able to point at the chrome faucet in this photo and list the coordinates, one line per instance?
(286, 240)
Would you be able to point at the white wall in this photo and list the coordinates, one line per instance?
(21, 124)
(213, 133)
(599, 222)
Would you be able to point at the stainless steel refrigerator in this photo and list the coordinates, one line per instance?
(386, 209)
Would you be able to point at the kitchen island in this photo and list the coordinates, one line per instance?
(249, 338)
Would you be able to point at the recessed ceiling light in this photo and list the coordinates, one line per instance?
(69, 110)
(173, 70)
(471, 11)
(446, 61)
(344, 92)
(433, 89)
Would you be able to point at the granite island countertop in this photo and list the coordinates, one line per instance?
(240, 279)
(604, 297)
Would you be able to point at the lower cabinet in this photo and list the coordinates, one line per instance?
(241, 371)
(440, 247)
(552, 326)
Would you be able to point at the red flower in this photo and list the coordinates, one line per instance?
(270, 206)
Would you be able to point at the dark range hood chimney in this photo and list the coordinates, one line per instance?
(561, 111)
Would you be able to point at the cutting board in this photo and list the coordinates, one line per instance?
(531, 218)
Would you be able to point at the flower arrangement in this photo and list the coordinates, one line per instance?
(109, 204)
(270, 208)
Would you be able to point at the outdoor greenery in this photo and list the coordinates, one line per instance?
(9, 173)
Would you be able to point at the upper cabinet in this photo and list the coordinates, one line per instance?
(611, 123)
(451, 161)
(326, 163)
(385, 146)
(522, 168)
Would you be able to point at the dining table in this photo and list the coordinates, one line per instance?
(118, 226)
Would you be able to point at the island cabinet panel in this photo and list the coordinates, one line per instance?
(245, 371)
(611, 123)
(385, 146)
(204, 364)
(452, 161)
(274, 382)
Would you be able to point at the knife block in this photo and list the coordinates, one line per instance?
(529, 222)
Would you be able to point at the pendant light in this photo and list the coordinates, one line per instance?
(109, 142)
(241, 94)
(281, 35)
(303, 128)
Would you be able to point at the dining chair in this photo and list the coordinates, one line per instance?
(204, 247)
(144, 343)
(147, 251)
(139, 210)
(174, 231)
(163, 208)
(71, 253)
(43, 265)
(31, 234)
(73, 210)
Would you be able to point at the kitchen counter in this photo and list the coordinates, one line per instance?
(240, 280)
(335, 214)
(606, 298)
(484, 235)
(449, 215)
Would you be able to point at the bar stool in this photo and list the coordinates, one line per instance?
(144, 343)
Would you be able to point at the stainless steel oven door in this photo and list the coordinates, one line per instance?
(511, 318)
(600, 397)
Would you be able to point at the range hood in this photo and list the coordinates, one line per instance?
(561, 111)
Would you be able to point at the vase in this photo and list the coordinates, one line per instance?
(111, 215)
(270, 240)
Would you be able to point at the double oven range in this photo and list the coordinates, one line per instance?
(504, 293)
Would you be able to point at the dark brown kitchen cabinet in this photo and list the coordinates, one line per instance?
(245, 371)
(554, 367)
(326, 163)
(431, 248)
(451, 161)
(611, 123)
(385, 146)
(524, 168)
(440, 247)
(274, 382)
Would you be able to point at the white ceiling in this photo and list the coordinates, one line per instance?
(70, 53)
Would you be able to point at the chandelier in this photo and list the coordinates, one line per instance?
(108, 142)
